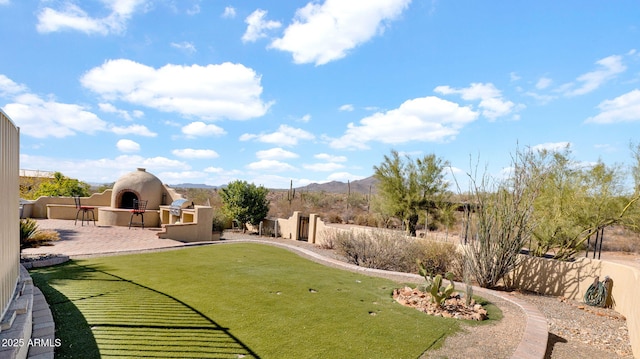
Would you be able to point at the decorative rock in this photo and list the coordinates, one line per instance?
(453, 307)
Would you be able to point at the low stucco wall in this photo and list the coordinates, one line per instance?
(40, 207)
(121, 217)
(288, 228)
(572, 279)
(197, 231)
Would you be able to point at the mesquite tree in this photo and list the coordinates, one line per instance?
(407, 187)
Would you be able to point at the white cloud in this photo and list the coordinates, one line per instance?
(285, 136)
(323, 167)
(201, 129)
(5, 2)
(330, 158)
(72, 17)
(9, 87)
(543, 83)
(46, 118)
(270, 165)
(185, 46)
(127, 146)
(492, 103)
(139, 130)
(257, 26)
(275, 154)
(624, 108)
(229, 12)
(194, 10)
(343, 177)
(213, 170)
(110, 108)
(514, 76)
(225, 91)
(193, 153)
(306, 118)
(552, 146)
(347, 107)
(102, 170)
(321, 33)
(543, 99)
(426, 119)
(609, 67)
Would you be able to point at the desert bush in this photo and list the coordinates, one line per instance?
(394, 251)
(367, 219)
(328, 239)
(334, 218)
(31, 236)
(439, 257)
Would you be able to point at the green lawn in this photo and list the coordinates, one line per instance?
(230, 301)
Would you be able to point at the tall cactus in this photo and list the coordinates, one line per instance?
(291, 194)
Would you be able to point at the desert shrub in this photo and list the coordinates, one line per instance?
(329, 239)
(394, 251)
(366, 219)
(439, 257)
(334, 218)
(31, 236)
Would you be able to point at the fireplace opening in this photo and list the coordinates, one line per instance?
(126, 199)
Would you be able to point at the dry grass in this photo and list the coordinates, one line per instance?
(619, 239)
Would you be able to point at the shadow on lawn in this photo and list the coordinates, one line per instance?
(99, 314)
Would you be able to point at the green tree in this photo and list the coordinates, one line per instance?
(576, 201)
(244, 202)
(62, 186)
(407, 187)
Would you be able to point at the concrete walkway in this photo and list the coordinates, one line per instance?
(90, 240)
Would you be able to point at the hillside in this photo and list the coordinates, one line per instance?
(359, 186)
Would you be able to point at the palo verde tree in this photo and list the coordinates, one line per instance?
(244, 202)
(576, 201)
(407, 187)
(63, 186)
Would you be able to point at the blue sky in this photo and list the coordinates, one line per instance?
(313, 91)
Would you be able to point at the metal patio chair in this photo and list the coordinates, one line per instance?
(85, 211)
(139, 207)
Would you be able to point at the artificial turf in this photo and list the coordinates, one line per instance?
(230, 301)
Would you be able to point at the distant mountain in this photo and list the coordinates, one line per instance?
(359, 186)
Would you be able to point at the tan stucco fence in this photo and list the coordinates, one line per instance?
(572, 279)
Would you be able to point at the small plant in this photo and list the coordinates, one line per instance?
(434, 285)
(31, 236)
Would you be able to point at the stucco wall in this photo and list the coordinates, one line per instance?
(9, 210)
(572, 279)
(288, 228)
(39, 207)
(198, 230)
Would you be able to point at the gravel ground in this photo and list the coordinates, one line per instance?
(575, 329)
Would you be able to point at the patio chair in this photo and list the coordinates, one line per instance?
(138, 210)
(85, 211)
